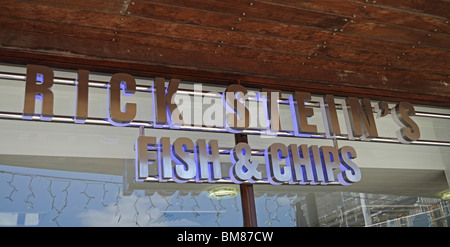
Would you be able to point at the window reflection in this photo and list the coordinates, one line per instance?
(349, 209)
(41, 197)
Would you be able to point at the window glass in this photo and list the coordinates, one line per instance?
(348, 209)
(43, 197)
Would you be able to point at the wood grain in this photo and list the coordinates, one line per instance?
(379, 48)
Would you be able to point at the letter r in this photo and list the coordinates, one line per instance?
(43, 75)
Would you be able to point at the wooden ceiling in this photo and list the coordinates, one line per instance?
(397, 49)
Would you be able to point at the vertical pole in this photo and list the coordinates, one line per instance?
(247, 194)
(311, 208)
(248, 205)
(365, 209)
(300, 220)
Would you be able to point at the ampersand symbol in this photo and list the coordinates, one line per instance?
(243, 169)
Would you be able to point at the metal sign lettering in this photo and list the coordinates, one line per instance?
(199, 161)
(292, 164)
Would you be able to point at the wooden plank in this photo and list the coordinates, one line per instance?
(296, 16)
(223, 47)
(309, 50)
(140, 49)
(396, 34)
(397, 17)
(401, 61)
(50, 13)
(217, 36)
(226, 21)
(265, 11)
(424, 64)
(29, 28)
(435, 7)
(92, 42)
(154, 27)
(248, 25)
(368, 11)
(243, 53)
(264, 57)
(343, 8)
(227, 53)
(415, 49)
(110, 6)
